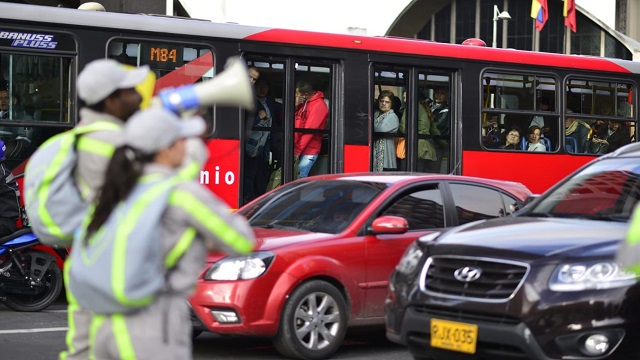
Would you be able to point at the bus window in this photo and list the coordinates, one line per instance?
(173, 64)
(599, 117)
(389, 86)
(264, 130)
(517, 102)
(34, 90)
(313, 120)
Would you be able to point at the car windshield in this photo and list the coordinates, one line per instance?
(606, 190)
(318, 206)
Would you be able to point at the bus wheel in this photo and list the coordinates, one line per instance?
(313, 322)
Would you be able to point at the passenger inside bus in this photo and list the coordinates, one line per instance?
(609, 137)
(547, 125)
(311, 113)
(441, 116)
(385, 121)
(512, 139)
(577, 129)
(533, 139)
(260, 145)
(427, 129)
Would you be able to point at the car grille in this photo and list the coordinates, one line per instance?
(498, 280)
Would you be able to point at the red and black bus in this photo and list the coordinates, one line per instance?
(488, 91)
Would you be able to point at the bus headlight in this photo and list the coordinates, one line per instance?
(240, 268)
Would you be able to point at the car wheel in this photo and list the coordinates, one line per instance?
(313, 322)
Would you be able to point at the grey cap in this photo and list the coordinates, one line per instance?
(154, 129)
(100, 78)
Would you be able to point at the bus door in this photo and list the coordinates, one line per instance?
(274, 142)
(420, 100)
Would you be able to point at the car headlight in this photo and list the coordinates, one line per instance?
(240, 268)
(410, 259)
(590, 276)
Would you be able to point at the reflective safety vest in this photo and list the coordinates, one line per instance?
(122, 266)
(53, 200)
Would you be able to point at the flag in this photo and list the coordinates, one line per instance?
(570, 14)
(539, 12)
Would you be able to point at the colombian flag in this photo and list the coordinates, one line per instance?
(539, 12)
(570, 14)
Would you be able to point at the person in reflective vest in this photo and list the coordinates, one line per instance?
(108, 91)
(194, 221)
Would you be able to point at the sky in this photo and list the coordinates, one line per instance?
(336, 16)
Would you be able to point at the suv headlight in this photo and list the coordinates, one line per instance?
(590, 276)
(240, 268)
(410, 259)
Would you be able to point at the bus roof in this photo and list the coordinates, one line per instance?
(405, 46)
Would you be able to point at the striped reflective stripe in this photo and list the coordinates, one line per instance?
(123, 339)
(46, 218)
(180, 248)
(209, 219)
(96, 323)
(94, 146)
(72, 308)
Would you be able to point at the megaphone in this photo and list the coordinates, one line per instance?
(231, 87)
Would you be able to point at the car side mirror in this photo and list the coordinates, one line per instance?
(389, 225)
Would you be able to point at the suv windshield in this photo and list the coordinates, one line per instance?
(320, 205)
(608, 189)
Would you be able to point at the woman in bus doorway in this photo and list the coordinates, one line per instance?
(385, 121)
(311, 113)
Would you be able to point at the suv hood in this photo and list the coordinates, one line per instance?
(540, 236)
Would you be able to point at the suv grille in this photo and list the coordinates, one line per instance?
(498, 279)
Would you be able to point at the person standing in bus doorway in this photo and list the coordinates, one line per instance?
(427, 128)
(108, 92)
(385, 121)
(441, 116)
(260, 144)
(311, 113)
(194, 221)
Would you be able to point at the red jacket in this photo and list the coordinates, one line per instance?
(312, 114)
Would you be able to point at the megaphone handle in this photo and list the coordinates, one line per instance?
(180, 99)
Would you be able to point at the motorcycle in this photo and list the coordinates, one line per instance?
(30, 273)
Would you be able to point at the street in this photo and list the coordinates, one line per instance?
(40, 336)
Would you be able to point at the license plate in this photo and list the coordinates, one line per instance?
(454, 336)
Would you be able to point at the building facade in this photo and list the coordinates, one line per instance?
(454, 21)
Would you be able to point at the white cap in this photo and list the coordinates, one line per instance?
(92, 6)
(100, 78)
(154, 129)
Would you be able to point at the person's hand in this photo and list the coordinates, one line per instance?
(295, 158)
(262, 114)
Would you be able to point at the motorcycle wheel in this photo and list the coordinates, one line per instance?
(52, 287)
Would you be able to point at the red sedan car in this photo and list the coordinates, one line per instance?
(326, 248)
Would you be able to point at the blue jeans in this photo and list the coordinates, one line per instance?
(305, 162)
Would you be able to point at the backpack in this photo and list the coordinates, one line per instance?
(50, 184)
(122, 267)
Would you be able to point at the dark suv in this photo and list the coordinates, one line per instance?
(541, 284)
